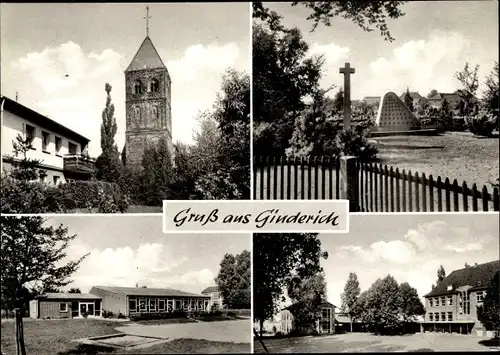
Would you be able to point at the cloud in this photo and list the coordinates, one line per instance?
(421, 65)
(394, 252)
(150, 262)
(199, 58)
(334, 56)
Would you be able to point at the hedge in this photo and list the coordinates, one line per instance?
(158, 315)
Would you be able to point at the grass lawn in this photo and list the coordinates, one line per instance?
(456, 155)
(363, 342)
(54, 337)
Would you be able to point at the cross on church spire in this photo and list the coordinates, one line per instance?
(147, 21)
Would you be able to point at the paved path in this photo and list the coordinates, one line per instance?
(234, 331)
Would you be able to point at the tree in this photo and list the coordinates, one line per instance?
(411, 306)
(279, 260)
(432, 93)
(488, 313)
(469, 79)
(33, 261)
(441, 274)
(307, 294)
(156, 174)
(466, 265)
(108, 165)
(408, 101)
(186, 171)
(338, 101)
(74, 290)
(350, 295)
(491, 95)
(364, 14)
(283, 77)
(234, 280)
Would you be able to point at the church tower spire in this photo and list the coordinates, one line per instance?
(147, 103)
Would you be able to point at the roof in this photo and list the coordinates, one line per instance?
(413, 94)
(68, 296)
(42, 121)
(478, 277)
(211, 289)
(449, 97)
(142, 291)
(147, 57)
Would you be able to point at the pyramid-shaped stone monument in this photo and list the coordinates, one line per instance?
(394, 116)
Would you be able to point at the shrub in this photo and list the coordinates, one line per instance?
(231, 314)
(107, 197)
(107, 314)
(482, 124)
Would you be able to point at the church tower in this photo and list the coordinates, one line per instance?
(148, 103)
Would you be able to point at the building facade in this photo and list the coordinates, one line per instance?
(216, 300)
(65, 305)
(148, 103)
(325, 324)
(452, 305)
(62, 152)
(136, 300)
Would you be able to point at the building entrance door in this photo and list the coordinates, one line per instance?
(87, 308)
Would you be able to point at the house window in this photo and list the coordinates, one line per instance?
(443, 316)
(443, 301)
(63, 307)
(431, 303)
(72, 148)
(450, 300)
(55, 178)
(45, 141)
(178, 304)
(436, 315)
(436, 302)
(152, 304)
(465, 302)
(154, 86)
(200, 304)
(58, 145)
(480, 296)
(161, 305)
(30, 133)
(431, 317)
(170, 305)
(450, 316)
(142, 304)
(185, 305)
(132, 305)
(137, 87)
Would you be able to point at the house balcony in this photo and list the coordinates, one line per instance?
(78, 164)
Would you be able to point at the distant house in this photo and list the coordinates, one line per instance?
(133, 300)
(451, 305)
(324, 325)
(216, 300)
(61, 150)
(436, 100)
(343, 324)
(65, 305)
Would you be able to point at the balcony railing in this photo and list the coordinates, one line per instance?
(80, 164)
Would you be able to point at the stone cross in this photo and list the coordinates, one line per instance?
(147, 20)
(347, 71)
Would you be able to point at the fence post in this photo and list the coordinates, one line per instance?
(349, 182)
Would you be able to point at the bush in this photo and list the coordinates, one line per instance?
(482, 124)
(107, 314)
(105, 196)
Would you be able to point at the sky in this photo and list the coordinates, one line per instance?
(411, 250)
(432, 42)
(125, 250)
(94, 43)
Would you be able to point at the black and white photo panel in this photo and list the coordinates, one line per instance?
(427, 283)
(109, 284)
(113, 108)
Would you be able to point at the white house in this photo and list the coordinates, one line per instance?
(62, 152)
(216, 301)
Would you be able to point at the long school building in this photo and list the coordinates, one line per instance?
(133, 300)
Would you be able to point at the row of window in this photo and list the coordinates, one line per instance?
(154, 86)
(441, 317)
(441, 301)
(160, 304)
(46, 139)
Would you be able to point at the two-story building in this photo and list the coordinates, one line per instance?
(452, 305)
(61, 151)
(216, 300)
